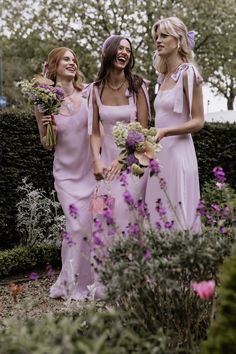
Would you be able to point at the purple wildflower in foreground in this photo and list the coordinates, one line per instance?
(124, 178)
(34, 276)
(74, 211)
(68, 238)
(142, 208)
(169, 224)
(223, 230)
(226, 211)
(128, 198)
(201, 208)
(133, 230)
(97, 240)
(98, 224)
(147, 255)
(219, 174)
(163, 184)
(215, 207)
(133, 139)
(158, 225)
(154, 167)
(159, 208)
(107, 214)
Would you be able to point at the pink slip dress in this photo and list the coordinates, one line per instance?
(74, 183)
(177, 158)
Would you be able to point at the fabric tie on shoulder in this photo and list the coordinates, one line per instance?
(192, 73)
(88, 94)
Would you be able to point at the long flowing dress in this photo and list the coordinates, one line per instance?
(177, 158)
(109, 116)
(74, 184)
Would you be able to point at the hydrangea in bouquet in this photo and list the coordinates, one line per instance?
(46, 97)
(138, 146)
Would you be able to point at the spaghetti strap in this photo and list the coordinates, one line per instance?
(98, 98)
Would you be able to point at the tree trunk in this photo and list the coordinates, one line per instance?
(230, 102)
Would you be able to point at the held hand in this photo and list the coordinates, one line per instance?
(49, 119)
(99, 170)
(161, 133)
(113, 170)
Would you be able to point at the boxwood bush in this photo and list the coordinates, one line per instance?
(22, 259)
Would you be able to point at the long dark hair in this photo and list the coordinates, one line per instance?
(109, 52)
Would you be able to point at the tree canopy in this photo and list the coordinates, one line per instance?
(31, 29)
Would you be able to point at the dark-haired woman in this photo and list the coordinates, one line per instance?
(116, 96)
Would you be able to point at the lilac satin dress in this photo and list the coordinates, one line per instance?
(177, 157)
(74, 184)
(109, 116)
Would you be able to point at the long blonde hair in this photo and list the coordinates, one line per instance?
(172, 26)
(53, 60)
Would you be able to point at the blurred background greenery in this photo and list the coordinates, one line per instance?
(30, 29)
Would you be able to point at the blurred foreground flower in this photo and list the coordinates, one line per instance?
(204, 289)
(34, 276)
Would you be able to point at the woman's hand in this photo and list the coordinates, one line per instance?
(49, 119)
(161, 133)
(99, 170)
(113, 170)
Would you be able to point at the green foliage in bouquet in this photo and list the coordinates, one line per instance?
(47, 98)
(221, 336)
(150, 275)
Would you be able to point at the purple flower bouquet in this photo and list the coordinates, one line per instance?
(138, 146)
(46, 97)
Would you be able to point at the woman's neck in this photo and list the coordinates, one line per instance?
(116, 77)
(172, 63)
(67, 86)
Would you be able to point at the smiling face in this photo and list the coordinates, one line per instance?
(165, 43)
(123, 55)
(67, 66)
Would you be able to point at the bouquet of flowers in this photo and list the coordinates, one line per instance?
(47, 98)
(137, 144)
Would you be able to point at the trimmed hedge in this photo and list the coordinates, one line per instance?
(22, 156)
(21, 259)
(216, 146)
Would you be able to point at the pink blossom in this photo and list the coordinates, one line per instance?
(204, 289)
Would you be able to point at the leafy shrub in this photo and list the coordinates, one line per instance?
(221, 336)
(21, 259)
(39, 218)
(150, 277)
(89, 333)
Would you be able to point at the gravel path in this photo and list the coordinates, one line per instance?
(22, 297)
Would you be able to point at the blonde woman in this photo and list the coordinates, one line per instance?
(178, 114)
